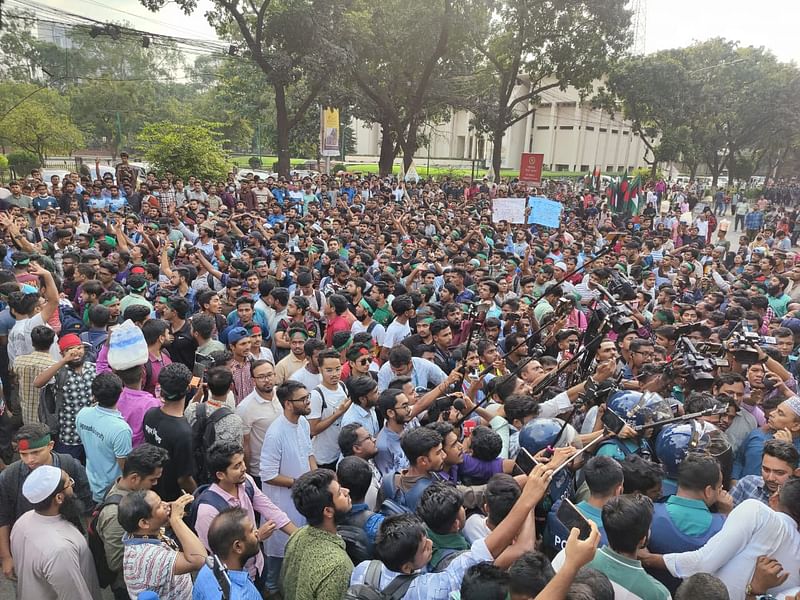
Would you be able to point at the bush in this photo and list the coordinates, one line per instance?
(255, 162)
(338, 167)
(23, 162)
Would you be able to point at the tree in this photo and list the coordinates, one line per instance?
(37, 119)
(288, 41)
(184, 149)
(538, 46)
(711, 103)
(408, 68)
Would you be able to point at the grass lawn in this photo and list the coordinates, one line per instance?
(241, 162)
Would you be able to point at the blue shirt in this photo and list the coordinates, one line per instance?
(691, 517)
(106, 437)
(207, 588)
(750, 486)
(40, 203)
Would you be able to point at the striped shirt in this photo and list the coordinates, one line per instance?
(148, 565)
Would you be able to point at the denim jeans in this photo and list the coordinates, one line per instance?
(274, 564)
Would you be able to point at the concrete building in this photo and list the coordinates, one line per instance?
(572, 135)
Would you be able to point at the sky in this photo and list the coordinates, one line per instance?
(670, 23)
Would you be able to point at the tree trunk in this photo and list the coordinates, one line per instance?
(497, 152)
(653, 169)
(282, 122)
(693, 171)
(386, 159)
(410, 146)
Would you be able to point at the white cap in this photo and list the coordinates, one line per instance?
(42, 482)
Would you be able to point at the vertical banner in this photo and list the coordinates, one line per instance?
(329, 132)
(530, 168)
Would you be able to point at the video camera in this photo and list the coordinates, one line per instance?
(744, 346)
(696, 368)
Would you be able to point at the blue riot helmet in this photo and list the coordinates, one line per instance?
(541, 433)
(675, 441)
(638, 409)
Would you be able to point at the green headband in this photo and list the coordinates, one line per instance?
(344, 345)
(426, 320)
(31, 444)
(365, 305)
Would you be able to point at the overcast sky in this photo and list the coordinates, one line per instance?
(670, 23)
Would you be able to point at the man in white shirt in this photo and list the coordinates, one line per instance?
(398, 330)
(751, 530)
(258, 410)
(329, 403)
(285, 455)
(309, 374)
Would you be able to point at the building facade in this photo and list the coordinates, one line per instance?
(572, 135)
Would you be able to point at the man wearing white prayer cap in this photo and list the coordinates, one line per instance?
(51, 557)
(783, 424)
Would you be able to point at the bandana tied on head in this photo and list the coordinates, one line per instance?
(34, 444)
(344, 345)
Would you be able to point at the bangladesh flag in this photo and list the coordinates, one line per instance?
(635, 189)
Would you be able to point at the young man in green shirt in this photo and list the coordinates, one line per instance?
(316, 565)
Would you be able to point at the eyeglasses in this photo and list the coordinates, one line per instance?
(363, 361)
(262, 377)
(302, 398)
(369, 437)
(69, 483)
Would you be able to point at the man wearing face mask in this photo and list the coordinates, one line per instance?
(54, 559)
(73, 389)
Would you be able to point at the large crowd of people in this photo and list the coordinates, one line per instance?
(357, 387)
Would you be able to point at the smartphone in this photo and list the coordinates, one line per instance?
(201, 365)
(525, 461)
(571, 517)
(613, 421)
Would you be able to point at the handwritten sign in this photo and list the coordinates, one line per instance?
(544, 212)
(511, 210)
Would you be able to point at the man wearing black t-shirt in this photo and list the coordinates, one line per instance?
(167, 428)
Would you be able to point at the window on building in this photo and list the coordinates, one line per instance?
(542, 127)
(610, 168)
(603, 130)
(560, 167)
(631, 168)
(625, 132)
(566, 127)
(621, 168)
(584, 167)
(615, 131)
(589, 128)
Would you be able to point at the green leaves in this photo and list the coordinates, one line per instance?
(184, 149)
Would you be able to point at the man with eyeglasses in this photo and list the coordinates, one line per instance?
(641, 353)
(53, 558)
(258, 410)
(286, 455)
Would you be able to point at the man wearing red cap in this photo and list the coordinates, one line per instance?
(73, 391)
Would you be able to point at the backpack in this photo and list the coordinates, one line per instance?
(203, 495)
(448, 556)
(371, 326)
(370, 589)
(92, 350)
(104, 573)
(204, 436)
(398, 502)
(355, 538)
(321, 391)
(70, 321)
(50, 401)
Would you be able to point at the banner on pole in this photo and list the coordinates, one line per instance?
(329, 132)
(530, 168)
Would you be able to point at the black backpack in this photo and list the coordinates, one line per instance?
(355, 538)
(104, 573)
(203, 495)
(370, 589)
(92, 350)
(203, 437)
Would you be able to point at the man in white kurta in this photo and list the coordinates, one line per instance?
(51, 557)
